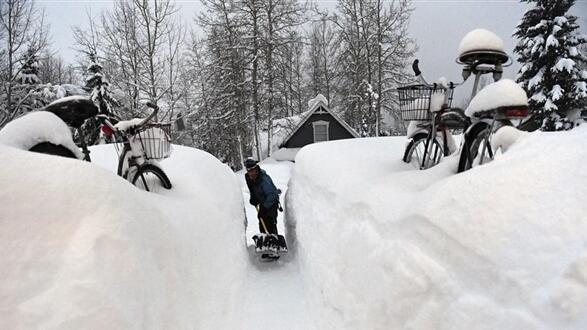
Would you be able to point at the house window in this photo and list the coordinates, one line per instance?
(320, 131)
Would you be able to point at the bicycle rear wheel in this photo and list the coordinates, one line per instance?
(150, 178)
(476, 148)
(416, 154)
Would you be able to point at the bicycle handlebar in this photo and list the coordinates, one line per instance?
(418, 74)
(106, 119)
(153, 114)
(415, 67)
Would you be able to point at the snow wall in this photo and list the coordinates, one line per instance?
(385, 246)
(84, 249)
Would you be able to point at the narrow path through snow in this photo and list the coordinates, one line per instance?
(274, 295)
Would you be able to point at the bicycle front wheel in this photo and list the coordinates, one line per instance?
(150, 178)
(476, 149)
(417, 155)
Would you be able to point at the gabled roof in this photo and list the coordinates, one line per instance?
(319, 102)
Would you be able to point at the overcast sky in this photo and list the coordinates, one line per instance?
(437, 25)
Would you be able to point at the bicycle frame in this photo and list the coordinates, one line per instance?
(434, 123)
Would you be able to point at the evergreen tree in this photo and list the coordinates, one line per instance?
(100, 95)
(29, 73)
(99, 86)
(549, 50)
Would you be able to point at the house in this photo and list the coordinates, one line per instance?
(315, 125)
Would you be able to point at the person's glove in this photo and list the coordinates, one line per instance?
(253, 201)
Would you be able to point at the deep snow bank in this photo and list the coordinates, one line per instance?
(84, 249)
(502, 246)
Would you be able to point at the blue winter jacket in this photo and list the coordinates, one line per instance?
(262, 190)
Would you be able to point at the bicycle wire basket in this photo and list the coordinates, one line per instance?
(415, 101)
(154, 139)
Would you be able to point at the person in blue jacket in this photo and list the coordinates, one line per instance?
(264, 195)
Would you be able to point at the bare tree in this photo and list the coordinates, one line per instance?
(154, 29)
(280, 18)
(121, 52)
(375, 46)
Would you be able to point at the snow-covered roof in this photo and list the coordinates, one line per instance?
(503, 93)
(481, 39)
(314, 104)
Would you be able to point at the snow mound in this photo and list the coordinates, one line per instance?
(36, 127)
(84, 249)
(502, 246)
(481, 39)
(502, 93)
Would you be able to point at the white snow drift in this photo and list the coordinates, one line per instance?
(502, 246)
(84, 249)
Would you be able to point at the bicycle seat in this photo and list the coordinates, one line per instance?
(454, 118)
(73, 110)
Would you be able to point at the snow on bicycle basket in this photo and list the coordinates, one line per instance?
(417, 102)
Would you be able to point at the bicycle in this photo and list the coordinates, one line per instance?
(479, 125)
(139, 144)
(488, 117)
(429, 104)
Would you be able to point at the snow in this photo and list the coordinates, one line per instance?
(84, 249)
(505, 137)
(581, 87)
(557, 92)
(436, 101)
(412, 128)
(72, 98)
(560, 20)
(285, 154)
(319, 98)
(36, 127)
(282, 128)
(74, 89)
(124, 125)
(551, 41)
(481, 39)
(502, 93)
(564, 64)
(537, 79)
(384, 246)
(374, 244)
(276, 297)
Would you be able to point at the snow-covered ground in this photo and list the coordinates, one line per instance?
(374, 243)
(502, 246)
(84, 249)
(274, 297)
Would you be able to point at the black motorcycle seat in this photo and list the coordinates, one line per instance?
(73, 110)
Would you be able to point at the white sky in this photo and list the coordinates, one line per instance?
(437, 25)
